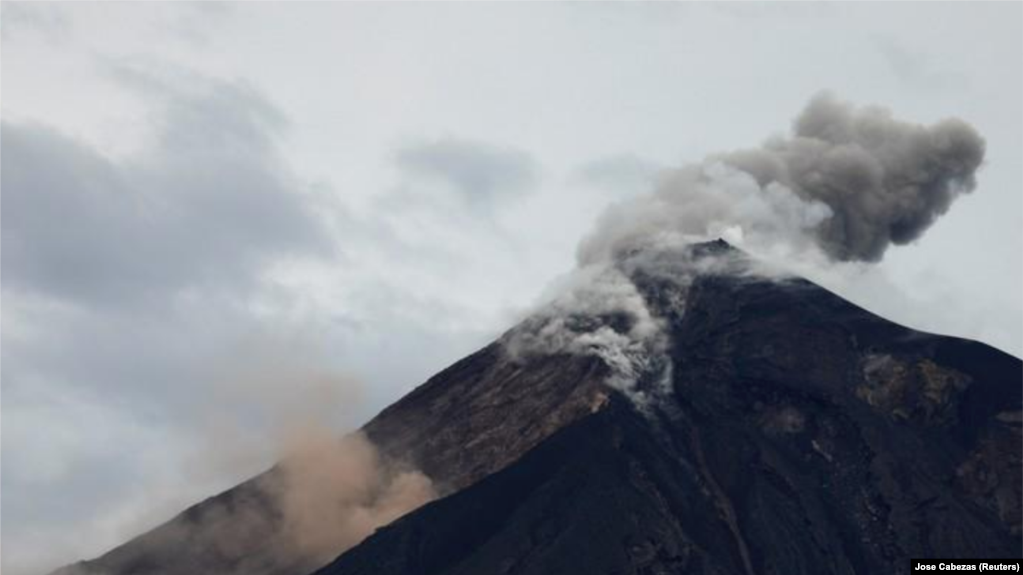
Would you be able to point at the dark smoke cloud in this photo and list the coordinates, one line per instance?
(850, 181)
(885, 181)
(845, 186)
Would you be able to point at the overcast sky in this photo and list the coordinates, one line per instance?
(219, 218)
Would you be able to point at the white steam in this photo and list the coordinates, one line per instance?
(599, 313)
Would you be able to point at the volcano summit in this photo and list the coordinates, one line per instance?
(681, 406)
(716, 419)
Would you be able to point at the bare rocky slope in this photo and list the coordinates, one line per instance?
(797, 433)
(802, 435)
(466, 422)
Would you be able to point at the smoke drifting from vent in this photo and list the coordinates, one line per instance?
(849, 181)
(847, 184)
(598, 312)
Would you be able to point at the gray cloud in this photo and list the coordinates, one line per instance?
(203, 206)
(131, 284)
(480, 172)
(913, 68)
(625, 172)
(26, 16)
(125, 282)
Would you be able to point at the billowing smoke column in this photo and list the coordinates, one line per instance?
(849, 182)
(846, 185)
(885, 181)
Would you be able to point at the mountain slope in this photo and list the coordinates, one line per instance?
(485, 411)
(466, 422)
(781, 430)
(600, 496)
(802, 434)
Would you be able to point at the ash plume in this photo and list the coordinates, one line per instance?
(848, 183)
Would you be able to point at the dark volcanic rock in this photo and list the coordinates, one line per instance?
(797, 433)
(604, 495)
(802, 435)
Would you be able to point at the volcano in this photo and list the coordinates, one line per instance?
(764, 425)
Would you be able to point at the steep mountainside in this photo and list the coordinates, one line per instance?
(801, 435)
(791, 432)
(468, 421)
(486, 411)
